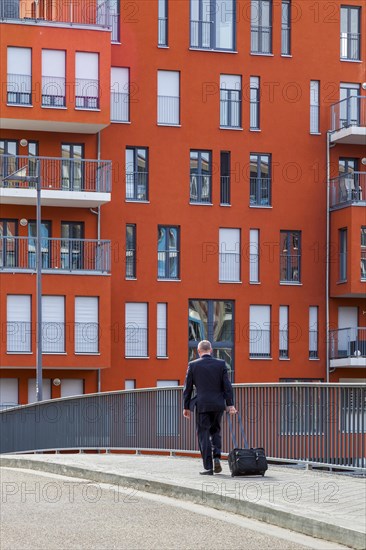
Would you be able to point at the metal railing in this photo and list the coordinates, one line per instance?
(254, 112)
(58, 255)
(136, 341)
(229, 266)
(348, 112)
(363, 264)
(86, 337)
(314, 119)
(53, 337)
(53, 91)
(87, 93)
(283, 343)
(290, 268)
(259, 342)
(168, 110)
(161, 342)
(168, 264)
(201, 34)
(230, 109)
(313, 344)
(347, 189)
(320, 424)
(350, 46)
(19, 89)
(18, 337)
(347, 343)
(224, 189)
(260, 191)
(200, 188)
(56, 174)
(162, 31)
(130, 263)
(261, 39)
(136, 186)
(120, 108)
(113, 22)
(285, 41)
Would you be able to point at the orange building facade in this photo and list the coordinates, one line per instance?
(201, 173)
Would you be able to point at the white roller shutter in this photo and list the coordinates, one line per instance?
(53, 63)
(168, 97)
(162, 330)
(120, 79)
(86, 324)
(8, 393)
(18, 323)
(72, 386)
(46, 389)
(313, 331)
(53, 324)
(347, 320)
(119, 94)
(260, 330)
(87, 74)
(230, 82)
(283, 335)
(229, 256)
(20, 61)
(254, 256)
(136, 329)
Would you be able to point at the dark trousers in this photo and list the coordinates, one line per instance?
(209, 436)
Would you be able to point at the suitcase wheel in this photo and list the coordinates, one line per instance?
(262, 473)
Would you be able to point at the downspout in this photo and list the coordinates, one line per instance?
(327, 261)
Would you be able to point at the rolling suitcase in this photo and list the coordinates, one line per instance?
(247, 461)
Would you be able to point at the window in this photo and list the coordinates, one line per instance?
(213, 24)
(349, 105)
(230, 101)
(259, 332)
(168, 252)
(53, 78)
(313, 332)
(9, 10)
(254, 102)
(225, 178)
(286, 28)
(342, 255)
(86, 324)
(137, 173)
(72, 247)
(214, 321)
(261, 26)
(53, 324)
(71, 387)
(161, 335)
(168, 97)
(19, 324)
(130, 251)
(72, 167)
(254, 256)
(363, 252)
(350, 33)
(314, 106)
(8, 393)
(200, 177)
(283, 332)
(136, 329)
(9, 244)
(46, 244)
(260, 180)
(290, 256)
(229, 255)
(19, 79)
(162, 23)
(120, 94)
(349, 183)
(130, 384)
(108, 12)
(87, 81)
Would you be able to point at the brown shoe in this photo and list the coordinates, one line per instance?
(217, 466)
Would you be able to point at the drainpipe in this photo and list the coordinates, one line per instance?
(327, 261)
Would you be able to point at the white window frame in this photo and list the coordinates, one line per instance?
(254, 255)
(229, 255)
(19, 323)
(161, 325)
(136, 329)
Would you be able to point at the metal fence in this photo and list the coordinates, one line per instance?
(347, 189)
(314, 423)
(347, 343)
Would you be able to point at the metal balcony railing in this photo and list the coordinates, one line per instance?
(283, 343)
(348, 112)
(229, 266)
(260, 191)
(168, 110)
(350, 46)
(120, 109)
(136, 340)
(136, 186)
(230, 109)
(347, 189)
(200, 188)
(259, 343)
(363, 264)
(162, 31)
(313, 344)
(58, 255)
(57, 174)
(86, 338)
(285, 41)
(225, 190)
(19, 89)
(53, 337)
(290, 267)
(261, 39)
(161, 342)
(201, 34)
(53, 91)
(87, 94)
(347, 343)
(168, 264)
(18, 337)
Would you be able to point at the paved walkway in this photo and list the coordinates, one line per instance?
(324, 505)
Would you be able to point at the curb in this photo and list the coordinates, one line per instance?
(288, 520)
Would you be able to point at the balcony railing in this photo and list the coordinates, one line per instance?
(162, 31)
(290, 267)
(259, 343)
(86, 338)
(348, 112)
(229, 266)
(225, 190)
(135, 341)
(56, 174)
(313, 344)
(347, 343)
(230, 109)
(58, 255)
(201, 34)
(260, 191)
(19, 89)
(283, 344)
(18, 337)
(261, 39)
(136, 186)
(119, 107)
(168, 110)
(347, 189)
(53, 91)
(350, 46)
(161, 340)
(200, 188)
(86, 93)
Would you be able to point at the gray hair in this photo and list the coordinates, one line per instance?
(204, 345)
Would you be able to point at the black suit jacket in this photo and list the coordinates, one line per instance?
(214, 390)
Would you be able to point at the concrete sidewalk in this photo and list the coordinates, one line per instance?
(324, 505)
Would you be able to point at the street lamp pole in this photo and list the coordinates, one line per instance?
(39, 381)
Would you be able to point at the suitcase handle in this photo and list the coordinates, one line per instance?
(246, 445)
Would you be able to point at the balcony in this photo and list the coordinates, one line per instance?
(347, 190)
(260, 192)
(347, 347)
(64, 182)
(84, 256)
(348, 121)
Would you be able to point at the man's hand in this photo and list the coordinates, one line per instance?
(231, 410)
(186, 413)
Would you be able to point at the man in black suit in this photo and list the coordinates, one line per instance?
(214, 395)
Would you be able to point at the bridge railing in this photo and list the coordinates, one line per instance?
(307, 422)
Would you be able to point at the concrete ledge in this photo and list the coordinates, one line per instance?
(205, 496)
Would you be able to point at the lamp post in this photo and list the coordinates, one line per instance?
(39, 380)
